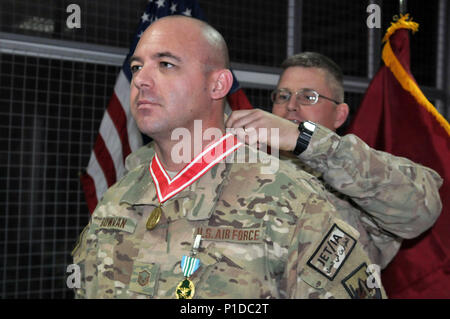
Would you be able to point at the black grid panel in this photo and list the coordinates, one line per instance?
(255, 30)
(50, 112)
(338, 30)
(259, 98)
(111, 22)
(422, 43)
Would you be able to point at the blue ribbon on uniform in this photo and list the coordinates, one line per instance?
(189, 265)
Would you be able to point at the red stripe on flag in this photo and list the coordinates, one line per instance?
(89, 191)
(119, 118)
(105, 160)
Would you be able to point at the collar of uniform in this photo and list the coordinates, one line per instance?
(140, 156)
(196, 202)
(142, 190)
(211, 155)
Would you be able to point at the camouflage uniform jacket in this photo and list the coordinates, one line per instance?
(385, 197)
(263, 236)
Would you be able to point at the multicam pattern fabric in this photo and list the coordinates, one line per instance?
(385, 197)
(264, 236)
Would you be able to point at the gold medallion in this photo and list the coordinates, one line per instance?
(185, 289)
(154, 217)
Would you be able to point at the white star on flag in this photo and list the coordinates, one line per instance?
(173, 8)
(160, 3)
(187, 12)
(145, 17)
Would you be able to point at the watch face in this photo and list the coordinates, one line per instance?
(309, 126)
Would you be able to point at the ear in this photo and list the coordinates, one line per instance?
(342, 111)
(222, 80)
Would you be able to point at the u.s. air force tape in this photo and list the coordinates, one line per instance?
(230, 234)
(332, 252)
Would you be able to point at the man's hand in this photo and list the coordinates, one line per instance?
(249, 122)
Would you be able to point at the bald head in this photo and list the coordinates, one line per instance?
(213, 46)
(179, 75)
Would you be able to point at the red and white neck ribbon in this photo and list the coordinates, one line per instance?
(213, 154)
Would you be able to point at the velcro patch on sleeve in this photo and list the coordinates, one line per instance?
(332, 252)
(359, 286)
(144, 278)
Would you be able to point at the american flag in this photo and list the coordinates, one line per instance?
(119, 135)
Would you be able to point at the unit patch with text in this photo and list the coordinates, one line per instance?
(332, 252)
(356, 284)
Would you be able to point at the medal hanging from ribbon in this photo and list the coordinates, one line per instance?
(186, 288)
(167, 188)
(189, 265)
(154, 217)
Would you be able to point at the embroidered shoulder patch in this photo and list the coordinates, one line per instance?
(359, 286)
(332, 252)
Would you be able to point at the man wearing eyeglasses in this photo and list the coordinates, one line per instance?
(387, 198)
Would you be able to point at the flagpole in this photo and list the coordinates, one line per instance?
(402, 6)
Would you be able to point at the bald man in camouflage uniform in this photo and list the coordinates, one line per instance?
(262, 235)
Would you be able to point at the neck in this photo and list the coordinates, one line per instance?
(174, 154)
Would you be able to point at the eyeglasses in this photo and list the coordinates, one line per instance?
(303, 97)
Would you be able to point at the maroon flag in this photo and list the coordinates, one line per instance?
(395, 117)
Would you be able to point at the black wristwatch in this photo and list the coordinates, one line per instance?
(306, 131)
